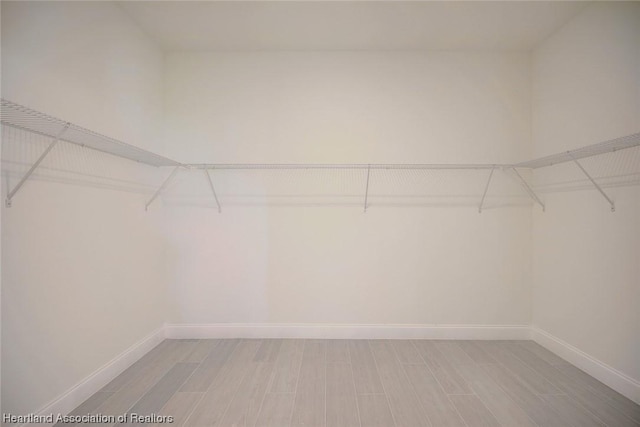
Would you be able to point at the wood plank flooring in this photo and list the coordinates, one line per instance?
(361, 383)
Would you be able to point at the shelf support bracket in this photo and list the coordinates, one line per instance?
(35, 165)
(159, 190)
(529, 190)
(213, 190)
(593, 181)
(366, 192)
(486, 188)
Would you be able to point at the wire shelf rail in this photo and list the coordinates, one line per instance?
(18, 116)
(368, 183)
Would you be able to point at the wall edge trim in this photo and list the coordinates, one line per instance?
(346, 331)
(94, 382)
(617, 380)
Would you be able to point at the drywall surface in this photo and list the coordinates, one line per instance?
(586, 89)
(340, 266)
(1, 186)
(351, 107)
(82, 277)
(85, 62)
(440, 264)
(82, 282)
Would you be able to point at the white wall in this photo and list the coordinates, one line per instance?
(339, 266)
(443, 265)
(586, 276)
(87, 63)
(1, 186)
(82, 277)
(347, 107)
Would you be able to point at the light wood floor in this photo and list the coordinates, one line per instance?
(242, 382)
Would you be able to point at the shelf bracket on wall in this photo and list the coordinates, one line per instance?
(486, 188)
(164, 184)
(213, 190)
(529, 190)
(593, 181)
(35, 165)
(366, 191)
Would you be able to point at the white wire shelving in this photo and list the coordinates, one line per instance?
(17, 116)
(39, 145)
(52, 133)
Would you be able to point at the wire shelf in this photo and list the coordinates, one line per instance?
(610, 146)
(611, 169)
(18, 116)
(29, 150)
(344, 186)
(72, 164)
(361, 166)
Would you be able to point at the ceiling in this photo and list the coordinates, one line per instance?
(350, 25)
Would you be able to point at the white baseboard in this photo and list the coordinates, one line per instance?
(101, 377)
(604, 373)
(344, 331)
